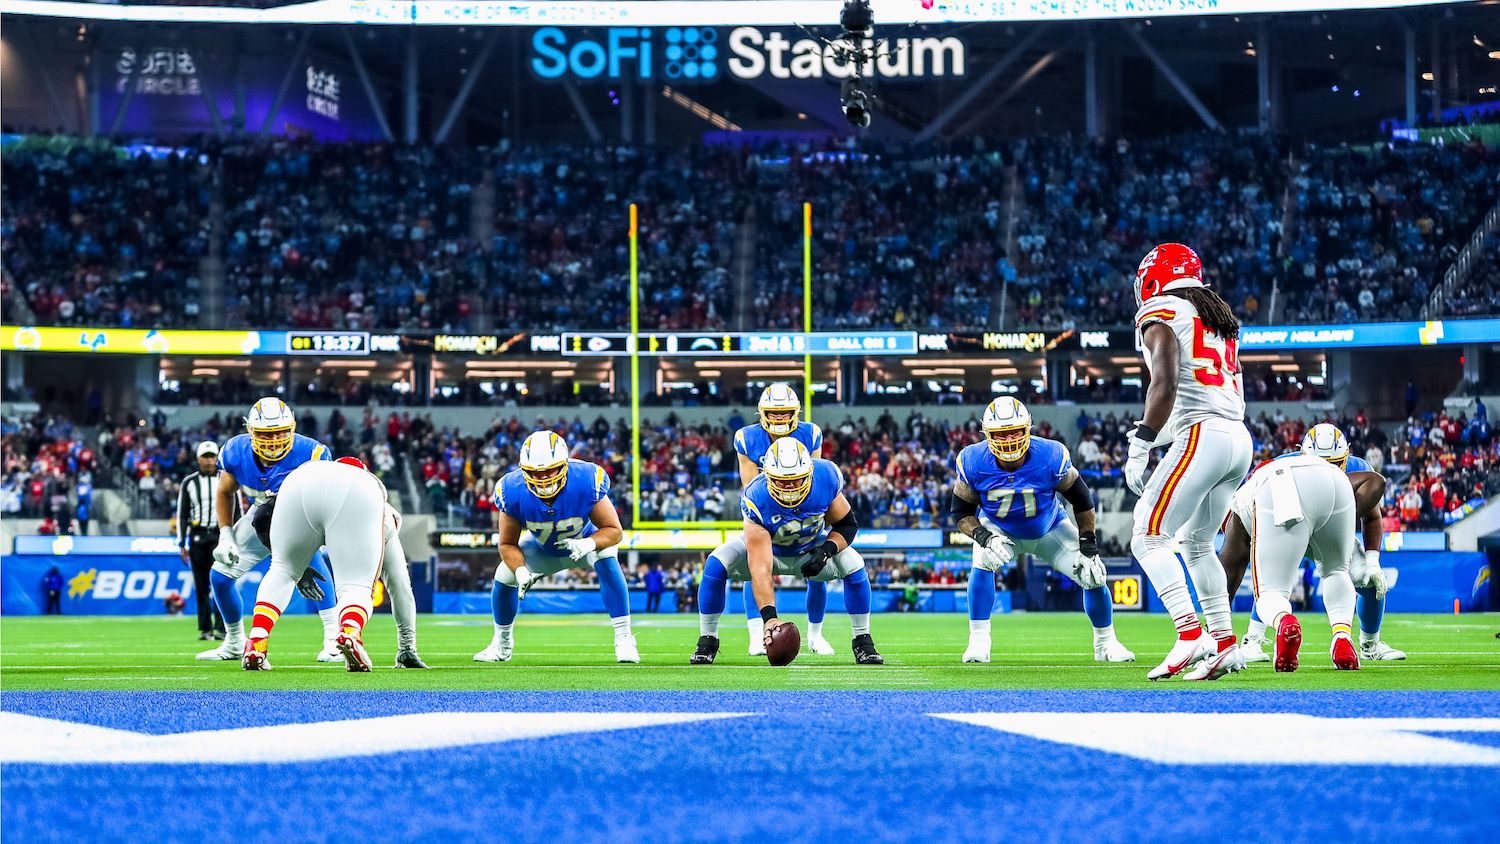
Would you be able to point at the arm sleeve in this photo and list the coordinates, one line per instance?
(847, 527)
(962, 509)
(182, 512)
(1079, 496)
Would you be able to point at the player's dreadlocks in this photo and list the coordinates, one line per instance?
(1213, 310)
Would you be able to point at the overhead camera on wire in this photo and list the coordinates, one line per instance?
(856, 47)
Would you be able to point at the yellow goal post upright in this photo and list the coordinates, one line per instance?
(637, 522)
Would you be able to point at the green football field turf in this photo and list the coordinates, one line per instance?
(1032, 651)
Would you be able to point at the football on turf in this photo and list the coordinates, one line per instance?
(785, 644)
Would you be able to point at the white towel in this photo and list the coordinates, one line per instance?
(1286, 504)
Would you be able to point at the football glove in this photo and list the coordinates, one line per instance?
(525, 580)
(818, 559)
(1141, 444)
(307, 585)
(227, 552)
(579, 548)
(1372, 576)
(998, 552)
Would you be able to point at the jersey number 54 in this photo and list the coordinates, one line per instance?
(1221, 358)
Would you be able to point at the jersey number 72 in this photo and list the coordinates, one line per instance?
(553, 533)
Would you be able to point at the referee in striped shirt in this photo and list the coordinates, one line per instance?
(198, 533)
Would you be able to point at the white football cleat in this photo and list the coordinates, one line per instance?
(626, 650)
(1377, 651)
(352, 650)
(1185, 652)
(819, 646)
(231, 648)
(1253, 649)
(978, 649)
(330, 652)
(1218, 664)
(498, 651)
(1112, 651)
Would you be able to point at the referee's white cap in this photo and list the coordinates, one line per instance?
(208, 448)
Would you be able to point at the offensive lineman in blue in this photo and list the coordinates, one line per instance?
(1006, 499)
(1328, 442)
(797, 522)
(255, 463)
(569, 522)
(780, 411)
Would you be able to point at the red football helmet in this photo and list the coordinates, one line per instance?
(1169, 266)
(353, 461)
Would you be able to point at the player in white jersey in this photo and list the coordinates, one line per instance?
(343, 506)
(1195, 403)
(1300, 505)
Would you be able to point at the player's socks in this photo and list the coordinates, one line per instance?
(814, 628)
(1257, 626)
(857, 600)
(505, 603)
(227, 596)
(503, 633)
(708, 624)
(751, 610)
(622, 626)
(757, 628)
(612, 588)
(1371, 614)
(1339, 600)
(1104, 635)
(1164, 570)
(262, 620)
(234, 631)
(817, 604)
(330, 618)
(1099, 606)
(352, 620)
(981, 596)
(979, 625)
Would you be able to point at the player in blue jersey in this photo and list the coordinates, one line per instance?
(1008, 499)
(555, 514)
(797, 522)
(780, 411)
(255, 463)
(1328, 442)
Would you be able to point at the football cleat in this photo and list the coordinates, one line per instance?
(353, 652)
(819, 645)
(1253, 649)
(1376, 651)
(708, 648)
(1288, 642)
(331, 652)
(1184, 652)
(978, 649)
(1344, 656)
(498, 651)
(1112, 651)
(1218, 664)
(864, 651)
(230, 648)
(625, 649)
(255, 658)
(408, 658)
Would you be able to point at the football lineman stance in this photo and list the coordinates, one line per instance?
(563, 507)
(256, 463)
(1196, 403)
(1327, 442)
(342, 506)
(1299, 504)
(1006, 499)
(797, 522)
(780, 411)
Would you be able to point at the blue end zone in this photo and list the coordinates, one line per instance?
(813, 766)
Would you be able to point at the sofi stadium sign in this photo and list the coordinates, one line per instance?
(706, 53)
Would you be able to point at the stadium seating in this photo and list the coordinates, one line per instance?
(378, 236)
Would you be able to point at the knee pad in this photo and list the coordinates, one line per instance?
(505, 577)
(1197, 549)
(848, 561)
(715, 570)
(1142, 544)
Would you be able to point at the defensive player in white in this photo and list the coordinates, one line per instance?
(780, 411)
(343, 506)
(1293, 506)
(555, 514)
(1196, 403)
(1008, 499)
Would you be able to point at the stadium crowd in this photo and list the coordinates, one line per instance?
(374, 235)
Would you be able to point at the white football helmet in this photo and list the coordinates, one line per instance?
(780, 409)
(1007, 429)
(271, 426)
(544, 463)
(1325, 440)
(788, 466)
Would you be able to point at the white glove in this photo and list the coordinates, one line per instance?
(227, 552)
(1135, 462)
(1373, 577)
(999, 552)
(579, 548)
(525, 580)
(1089, 572)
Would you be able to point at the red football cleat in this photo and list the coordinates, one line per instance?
(355, 657)
(1288, 642)
(1345, 657)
